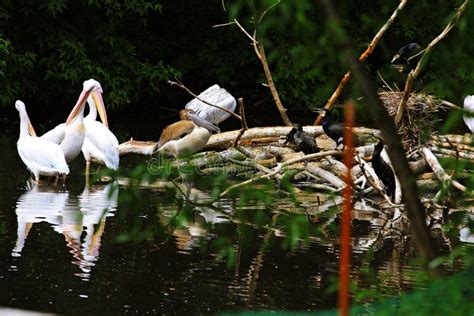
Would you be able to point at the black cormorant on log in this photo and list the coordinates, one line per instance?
(383, 170)
(302, 140)
(404, 60)
(333, 130)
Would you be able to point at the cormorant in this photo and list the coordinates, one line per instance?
(383, 170)
(303, 141)
(469, 107)
(403, 57)
(333, 130)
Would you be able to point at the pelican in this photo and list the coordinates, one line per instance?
(187, 136)
(70, 135)
(469, 107)
(42, 157)
(100, 144)
(217, 96)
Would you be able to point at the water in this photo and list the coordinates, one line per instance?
(108, 249)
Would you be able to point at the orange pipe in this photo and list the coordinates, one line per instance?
(345, 244)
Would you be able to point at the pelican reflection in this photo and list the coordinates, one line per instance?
(79, 218)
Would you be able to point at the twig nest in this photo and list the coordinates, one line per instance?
(420, 120)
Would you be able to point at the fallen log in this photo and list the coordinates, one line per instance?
(225, 139)
(454, 139)
(146, 148)
(326, 175)
(438, 169)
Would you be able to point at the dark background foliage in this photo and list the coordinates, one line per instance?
(48, 48)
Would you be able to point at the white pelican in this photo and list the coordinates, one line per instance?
(469, 107)
(217, 96)
(187, 136)
(100, 144)
(70, 135)
(42, 157)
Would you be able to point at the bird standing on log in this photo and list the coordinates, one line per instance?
(187, 136)
(383, 170)
(333, 130)
(302, 140)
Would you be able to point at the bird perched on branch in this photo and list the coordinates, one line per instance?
(333, 130)
(302, 140)
(405, 60)
(383, 170)
(469, 107)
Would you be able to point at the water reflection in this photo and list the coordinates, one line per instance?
(189, 232)
(79, 218)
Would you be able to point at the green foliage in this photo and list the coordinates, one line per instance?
(48, 48)
(305, 62)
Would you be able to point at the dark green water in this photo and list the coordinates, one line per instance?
(111, 250)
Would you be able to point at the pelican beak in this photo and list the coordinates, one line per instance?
(203, 123)
(79, 106)
(395, 58)
(31, 129)
(99, 104)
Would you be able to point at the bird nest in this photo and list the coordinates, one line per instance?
(421, 116)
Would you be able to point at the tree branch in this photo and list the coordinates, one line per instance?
(243, 121)
(395, 150)
(332, 100)
(260, 52)
(416, 72)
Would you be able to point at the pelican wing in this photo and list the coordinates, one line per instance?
(175, 131)
(56, 135)
(469, 107)
(217, 96)
(101, 144)
(42, 155)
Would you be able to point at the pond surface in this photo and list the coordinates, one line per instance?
(108, 249)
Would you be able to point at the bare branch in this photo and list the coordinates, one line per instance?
(416, 72)
(278, 169)
(266, 11)
(345, 79)
(224, 24)
(252, 38)
(439, 171)
(243, 121)
(395, 149)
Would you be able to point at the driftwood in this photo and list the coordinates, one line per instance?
(225, 139)
(438, 169)
(146, 148)
(326, 175)
(466, 139)
(256, 135)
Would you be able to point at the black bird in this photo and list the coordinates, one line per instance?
(403, 58)
(333, 130)
(383, 171)
(302, 140)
